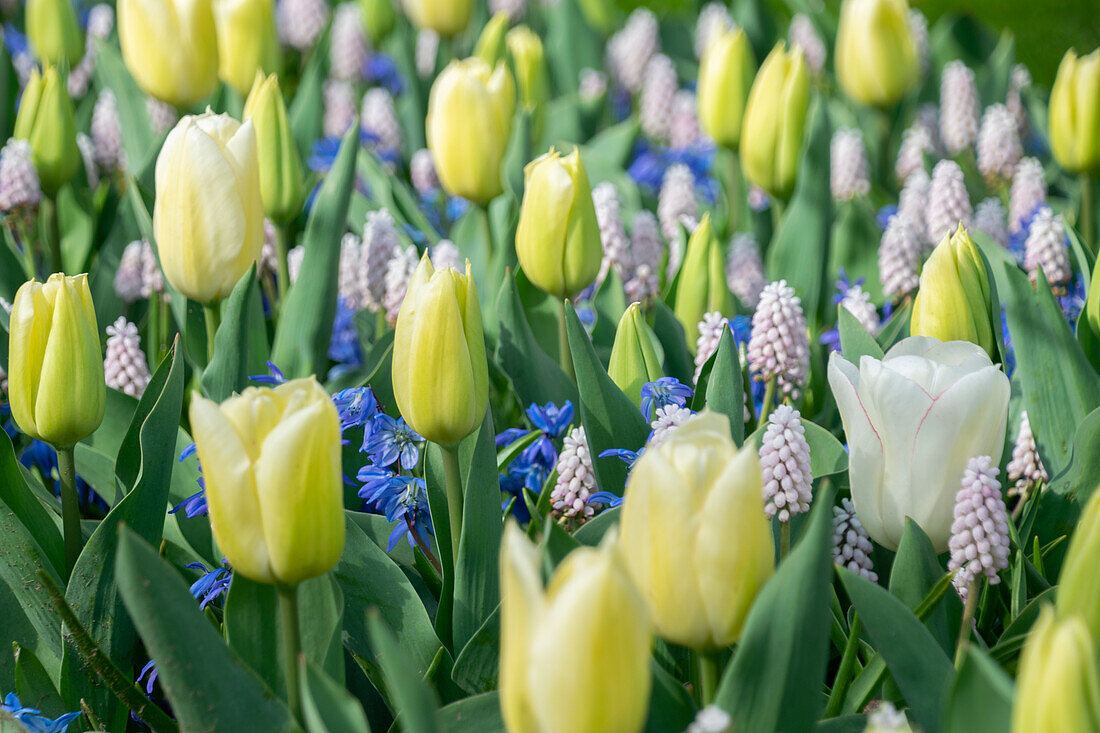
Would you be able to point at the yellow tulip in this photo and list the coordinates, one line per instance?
(55, 367)
(247, 41)
(1078, 591)
(170, 48)
(271, 462)
(46, 120)
(445, 17)
(1056, 683)
(702, 285)
(952, 302)
(775, 118)
(379, 18)
(528, 60)
(53, 32)
(585, 638)
(634, 355)
(280, 165)
(469, 120)
(1075, 113)
(209, 214)
(440, 375)
(694, 535)
(876, 55)
(558, 238)
(726, 72)
(490, 44)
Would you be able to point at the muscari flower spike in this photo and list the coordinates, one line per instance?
(785, 460)
(852, 546)
(959, 107)
(979, 534)
(779, 347)
(576, 479)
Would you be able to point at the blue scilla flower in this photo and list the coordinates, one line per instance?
(665, 391)
(15, 41)
(344, 346)
(885, 214)
(620, 103)
(456, 207)
(606, 498)
(194, 505)
(1009, 352)
(274, 376)
(510, 436)
(1073, 301)
(380, 69)
(388, 440)
(629, 457)
(402, 499)
(322, 153)
(43, 456)
(356, 406)
(212, 585)
(33, 719)
(550, 418)
(742, 330)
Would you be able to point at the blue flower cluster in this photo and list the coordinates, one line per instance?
(33, 719)
(831, 338)
(655, 395)
(530, 469)
(649, 163)
(43, 456)
(344, 346)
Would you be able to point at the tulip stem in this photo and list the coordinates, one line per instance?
(967, 620)
(769, 401)
(213, 320)
(784, 540)
(565, 357)
(452, 475)
(735, 194)
(70, 507)
(282, 269)
(292, 645)
(1085, 220)
(707, 666)
(844, 671)
(53, 233)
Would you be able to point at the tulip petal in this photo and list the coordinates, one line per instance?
(521, 608)
(29, 328)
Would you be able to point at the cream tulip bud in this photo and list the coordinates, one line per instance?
(876, 54)
(726, 72)
(170, 48)
(1075, 113)
(775, 118)
(247, 41)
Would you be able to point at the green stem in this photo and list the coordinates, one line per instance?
(769, 401)
(453, 478)
(967, 619)
(70, 507)
(707, 664)
(1085, 219)
(53, 233)
(152, 335)
(292, 645)
(735, 194)
(213, 315)
(565, 357)
(844, 671)
(26, 250)
(784, 540)
(282, 269)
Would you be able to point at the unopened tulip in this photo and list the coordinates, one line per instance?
(490, 44)
(694, 535)
(271, 462)
(280, 165)
(379, 17)
(634, 355)
(1078, 591)
(469, 120)
(876, 54)
(952, 302)
(585, 636)
(55, 367)
(445, 17)
(702, 285)
(440, 374)
(558, 238)
(170, 48)
(913, 420)
(725, 76)
(247, 41)
(1057, 684)
(46, 121)
(1075, 113)
(53, 32)
(528, 60)
(775, 118)
(209, 214)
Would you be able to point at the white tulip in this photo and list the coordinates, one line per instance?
(913, 420)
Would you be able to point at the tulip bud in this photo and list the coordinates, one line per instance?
(1075, 113)
(209, 214)
(725, 77)
(634, 359)
(469, 120)
(55, 370)
(280, 167)
(694, 535)
(46, 121)
(1078, 591)
(600, 14)
(170, 48)
(952, 302)
(53, 32)
(558, 238)
(876, 55)
(702, 282)
(440, 375)
(445, 17)
(775, 117)
(274, 487)
(490, 44)
(558, 638)
(247, 41)
(1057, 678)
(379, 18)
(529, 63)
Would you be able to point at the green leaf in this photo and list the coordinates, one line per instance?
(724, 387)
(412, 699)
(917, 663)
(306, 112)
(855, 342)
(326, 706)
(855, 241)
(535, 376)
(610, 419)
(670, 705)
(981, 699)
(477, 714)
(35, 518)
(678, 360)
(593, 530)
(33, 684)
(1082, 474)
(475, 669)
(228, 371)
(305, 327)
(755, 16)
(915, 571)
(209, 687)
(779, 665)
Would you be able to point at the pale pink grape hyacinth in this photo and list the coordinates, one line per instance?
(999, 147)
(269, 253)
(659, 87)
(758, 198)
(152, 279)
(745, 269)
(380, 244)
(106, 132)
(20, 189)
(592, 84)
(445, 254)
(301, 21)
(852, 546)
(848, 170)
(87, 154)
(1028, 193)
(1018, 81)
(630, 49)
(857, 301)
(613, 239)
(714, 19)
(979, 534)
(899, 258)
(1047, 247)
(422, 172)
(427, 49)
(124, 366)
(647, 254)
(513, 8)
(294, 260)
(676, 200)
(711, 329)
(785, 460)
(959, 107)
(101, 21)
(1026, 469)
(711, 719)
(916, 143)
(913, 204)
(399, 272)
(803, 34)
(349, 47)
(348, 285)
(683, 126)
(779, 345)
(339, 102)
(576, 479)
(885, 718)
(129, 275)
(990, 219)
(918, 27)
(665, 421)
(162, 116)
(948, 201)
(379, 119)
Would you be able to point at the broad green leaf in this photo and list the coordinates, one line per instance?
(475, 668)
(678, 360)
(915, 571)
(1082, 474)
(412, 699)
(326, 706)
(307, 109)
(535, 376)
(28, 511)
(228, 371)
(855, 240)
(855, 342)
(476, 714)
(724, 387)
(33, 684)
(981, 699)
